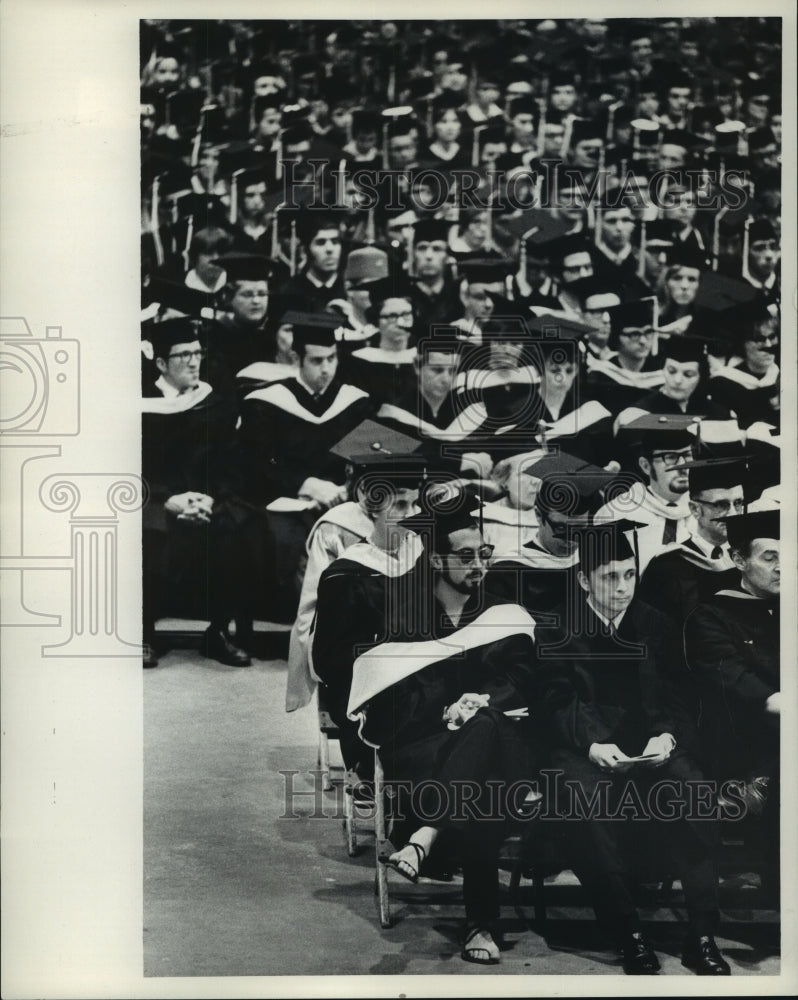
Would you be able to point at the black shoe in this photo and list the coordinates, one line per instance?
(702, 956)
(150, 657)
(638, 956)
(218, 647)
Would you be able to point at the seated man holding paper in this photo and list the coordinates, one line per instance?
(608, 673)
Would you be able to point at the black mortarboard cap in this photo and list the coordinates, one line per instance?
(567, 246)
(178, 296)
(594, 286)
(245, 266)
(569, 485)
(365, 120)
(310, 222)
(164, 336)
(716, 474)
(524, 105)
(686, 253)
(635, 315)
(485, 270)
(681, 137)
(206, 210)
(719, 292)
(761, 229)
(427, 230)
(371, 438)
(441, 517)
(660, 431)
(602, 542)
(682, 348)
(744, 528)
(587, 129)
(316, 333)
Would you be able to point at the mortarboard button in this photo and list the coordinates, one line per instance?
(371, 438)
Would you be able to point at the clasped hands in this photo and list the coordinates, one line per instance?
(196, 508)
(467, 706)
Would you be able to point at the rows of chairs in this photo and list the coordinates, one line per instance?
(527, 855)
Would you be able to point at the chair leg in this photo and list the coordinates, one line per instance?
(380, 837)
(324, 761)
(539, 889)
(350, 821)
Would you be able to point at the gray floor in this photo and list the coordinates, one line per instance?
(242, 881)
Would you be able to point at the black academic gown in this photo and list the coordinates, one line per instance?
(286, 435)
(406, 721)
(431, 309)
(615, 387)
(750, 398)
(600, 687)
(193, 450)
(385, 379)
(732, 647)
(676, 582)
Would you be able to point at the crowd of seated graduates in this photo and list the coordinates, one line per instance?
(549, 427)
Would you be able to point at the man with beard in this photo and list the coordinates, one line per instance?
(607, 674)
(193, 509)
(663, 446)
(446, 721)
(692, 571)
(732, 647)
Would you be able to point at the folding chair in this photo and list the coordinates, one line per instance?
(511, 856)
(327, 731)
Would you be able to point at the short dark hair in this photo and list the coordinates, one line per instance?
(213, 241)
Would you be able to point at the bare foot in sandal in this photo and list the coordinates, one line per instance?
(480, 947)
(408, 861)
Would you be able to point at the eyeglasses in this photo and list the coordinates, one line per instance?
(638, 334)
(770, 338)
(394, 317)
(468, 556)
(671, 459)
(184, 357)
(722, 506)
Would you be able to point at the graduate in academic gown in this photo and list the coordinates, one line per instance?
(689, 572)
(750, 383)
(193, 480)
(385, 368)
(339, 527)
(541, 574)
(731, 644)
(660, 447)
(619, 381)
(286, 432)
(352, 604)
(608, 672)
(440, 718)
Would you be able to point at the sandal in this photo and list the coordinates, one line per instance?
(479, 955)
(390, 862)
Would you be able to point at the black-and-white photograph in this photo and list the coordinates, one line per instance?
(398, 421)
(461, 427)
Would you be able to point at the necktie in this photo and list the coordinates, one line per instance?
(669, 534)
(717, 552)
